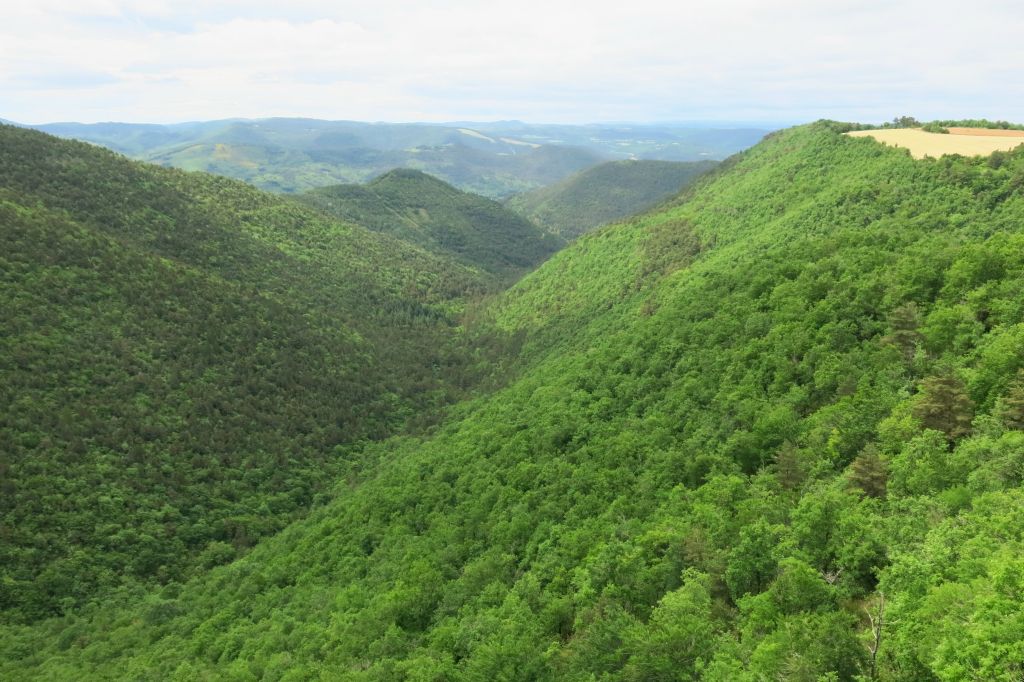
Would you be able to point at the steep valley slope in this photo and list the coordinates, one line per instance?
(430, 213)
(605, 193)
(185, 361)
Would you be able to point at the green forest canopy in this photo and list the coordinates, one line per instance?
(770, 431)
(604, 193)
(428, 212)
(186, 362)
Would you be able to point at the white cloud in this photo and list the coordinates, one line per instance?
(791, 59)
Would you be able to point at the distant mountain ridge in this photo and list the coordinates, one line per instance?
(605, 193)
(492, 159)
(427, 211)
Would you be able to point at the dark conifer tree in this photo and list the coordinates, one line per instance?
(869, 472)
(905, 321)
(1013, 403)
(944, 405)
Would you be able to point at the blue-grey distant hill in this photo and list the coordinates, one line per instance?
(492, 159)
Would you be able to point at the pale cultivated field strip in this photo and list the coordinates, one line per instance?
(986, 132)
(966, 141)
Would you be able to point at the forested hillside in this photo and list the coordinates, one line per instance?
(772, 431)
(421, 209)
(185, 362)
(611, 191)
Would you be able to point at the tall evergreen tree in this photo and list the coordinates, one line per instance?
(1013, 403)
(905, 321)
(869, 472)
(944, 405)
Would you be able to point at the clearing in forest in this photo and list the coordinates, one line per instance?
(964, 141)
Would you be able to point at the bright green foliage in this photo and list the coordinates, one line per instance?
(957, 596)
(679, 633)
(604, 193)
(664, 489)
(752, 561)
(423, 210)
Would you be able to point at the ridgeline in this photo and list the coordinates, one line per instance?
(605, 193)
(423, 210)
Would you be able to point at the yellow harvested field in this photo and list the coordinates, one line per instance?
(966, 141)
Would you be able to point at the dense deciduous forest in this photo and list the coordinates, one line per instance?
(769, 431)
(186, 361)
(423, 210)
(604, 193)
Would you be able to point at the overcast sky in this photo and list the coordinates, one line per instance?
(539, 61)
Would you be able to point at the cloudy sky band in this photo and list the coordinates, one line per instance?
(551, 61)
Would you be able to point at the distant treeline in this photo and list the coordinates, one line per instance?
(936, 126)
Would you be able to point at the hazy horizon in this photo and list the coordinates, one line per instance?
(704, 123)
(155, 61)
